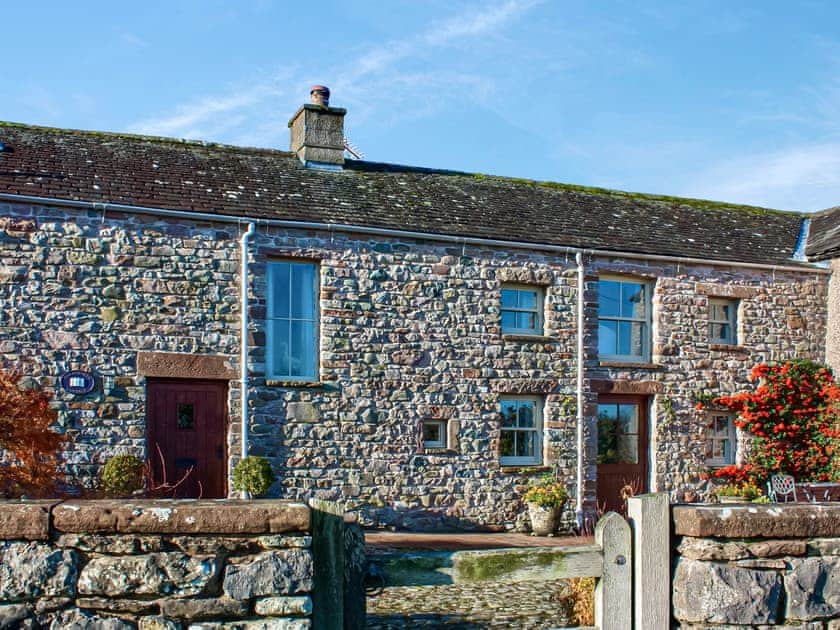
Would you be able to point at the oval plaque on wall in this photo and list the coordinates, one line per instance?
(77, 382)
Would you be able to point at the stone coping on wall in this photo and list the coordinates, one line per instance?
(756, 520)
(33, 520)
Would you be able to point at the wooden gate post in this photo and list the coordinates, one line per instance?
(613, 600)
(649, 522)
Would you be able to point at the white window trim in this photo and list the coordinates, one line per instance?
(431, 444)
(512, 460)
(717, 462)
(539, 330)
(269, 367)
(645, 357)
(732, 321)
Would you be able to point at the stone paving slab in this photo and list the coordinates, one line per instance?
(531, 605)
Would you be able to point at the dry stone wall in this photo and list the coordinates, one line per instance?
(757, 566)
(409, 331)
(156, 565)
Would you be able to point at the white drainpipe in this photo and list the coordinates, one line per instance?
(243, 341)
(580, 414)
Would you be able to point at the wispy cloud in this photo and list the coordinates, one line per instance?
(804, 177)
(359, 80)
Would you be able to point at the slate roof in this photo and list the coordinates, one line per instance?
(185, 175)
(824, 235)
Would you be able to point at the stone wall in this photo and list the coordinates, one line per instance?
(158, 565)
(833, 336)
(750, 566)
(409, 331)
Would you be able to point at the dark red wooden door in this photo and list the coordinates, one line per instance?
(187, 420)
(622, 449)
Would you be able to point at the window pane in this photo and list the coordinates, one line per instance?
(186, 416)
(508, 413)
(609, 292)
(303, 349)
(508, 320)
(528, 299)
(607, 337)
(624, 338)
(509, 298)
(628, 449)
(632, 300)
(526, 321)
(526, 444)
(506, 444)
(303, 291)
(637, 339)
(629, 417)
(526, 414)
(432, 432)
(279, 349)
(278, 278)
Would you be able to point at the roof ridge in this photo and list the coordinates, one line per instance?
(139, 136)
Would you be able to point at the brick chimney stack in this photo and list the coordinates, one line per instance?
(317, 131)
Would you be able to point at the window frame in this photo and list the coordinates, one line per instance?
(732, 321)
(712, 436)
(271, 372)
(539, 293)
(537, 458)
(646, 320)
(434, 444)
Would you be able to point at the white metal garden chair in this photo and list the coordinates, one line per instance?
(781, 489)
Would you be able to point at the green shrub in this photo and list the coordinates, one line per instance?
(253, 475)
(122, 475)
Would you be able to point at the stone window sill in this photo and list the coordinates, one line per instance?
(525, 470)
(295, 384)
(727, 347)
(526, 338)
(438, 451)
(630, 364)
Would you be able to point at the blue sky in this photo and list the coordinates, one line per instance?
(738, 101)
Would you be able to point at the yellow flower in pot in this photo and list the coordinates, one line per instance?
(545, 499)
(738, 492)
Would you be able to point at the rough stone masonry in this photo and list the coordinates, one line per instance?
(409, 331)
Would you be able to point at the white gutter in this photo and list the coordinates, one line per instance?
(243, 342)
(580, 413)
(428, 236)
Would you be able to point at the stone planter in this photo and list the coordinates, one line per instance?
(544, 520)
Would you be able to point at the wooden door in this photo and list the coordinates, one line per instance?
(622, 448)
(186, 419)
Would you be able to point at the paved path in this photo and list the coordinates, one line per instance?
(526, 605)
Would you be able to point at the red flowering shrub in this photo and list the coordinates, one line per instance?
(794, 417)
(28, 446)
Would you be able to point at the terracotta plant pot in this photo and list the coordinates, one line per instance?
(544, 520)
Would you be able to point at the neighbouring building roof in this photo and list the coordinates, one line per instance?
(262, 183)
(824, 235)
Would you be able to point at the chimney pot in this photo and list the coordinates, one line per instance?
(320, 95)
(317, 131)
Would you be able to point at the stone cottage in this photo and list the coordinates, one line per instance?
(416, 343)
(824, 244)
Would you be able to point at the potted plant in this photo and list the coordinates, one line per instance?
(545, 500)
(253, 475)
(738, 492)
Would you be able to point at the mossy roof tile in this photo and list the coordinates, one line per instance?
(265, 183)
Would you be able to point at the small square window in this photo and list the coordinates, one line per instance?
(522, 308)
(720, 439)
(723, 321)
(520, 438)
(434, 434)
